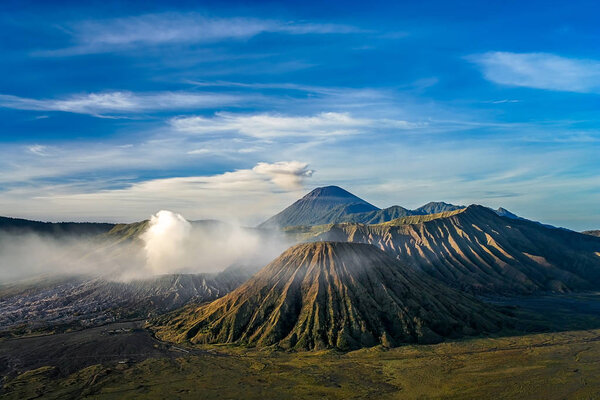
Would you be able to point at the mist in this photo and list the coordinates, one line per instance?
(170, 245)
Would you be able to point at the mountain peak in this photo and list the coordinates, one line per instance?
(335, 193)
(321, 206)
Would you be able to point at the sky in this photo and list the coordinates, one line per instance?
(111, 111)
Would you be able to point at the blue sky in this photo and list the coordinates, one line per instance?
(111, 111)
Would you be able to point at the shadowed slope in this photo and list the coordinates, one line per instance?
(323, 295)
(477, 250)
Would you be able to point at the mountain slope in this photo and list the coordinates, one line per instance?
(476, 250)
(321, 206)
(324, 295)
(592, 233)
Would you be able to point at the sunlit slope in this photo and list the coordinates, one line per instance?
(325, 295)
(476, 250)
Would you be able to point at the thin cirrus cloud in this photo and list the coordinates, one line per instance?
(121, 102)
(99, 36)
(277, 125)
(540, 71)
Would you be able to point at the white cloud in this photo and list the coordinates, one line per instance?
(540, 71)
(98, 36)
(277, 125)
(287, 174)
(121, 102)
(245, 194)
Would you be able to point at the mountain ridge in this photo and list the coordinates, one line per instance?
(332, 204)
(478, 251)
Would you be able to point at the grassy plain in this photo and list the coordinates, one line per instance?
(561, 365)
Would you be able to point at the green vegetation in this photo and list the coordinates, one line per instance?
(542, 366)
(126, 232)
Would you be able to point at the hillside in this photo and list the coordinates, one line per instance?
(21, 226)
(592, 233)
(333, 295)
(476, 250)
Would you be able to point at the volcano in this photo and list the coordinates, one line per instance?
(333, 295)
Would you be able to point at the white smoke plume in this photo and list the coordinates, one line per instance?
(174, 245)
(170, 245)
(166, 241)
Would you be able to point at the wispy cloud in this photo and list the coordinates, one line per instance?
(38, 149)
(98, 36)
(540, 71)
(119, 102)
(277, 125)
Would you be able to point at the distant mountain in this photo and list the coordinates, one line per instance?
(19, 226)
(476, 250)
(333, 295)
(321, 206)
(435, 207)
(332, 204)
(592, 233)
(378, 216)
(503, 212)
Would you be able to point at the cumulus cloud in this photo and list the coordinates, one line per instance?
(277, 125)
(121, 102)
(540, 71)
(289, 175)
(97, 36)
